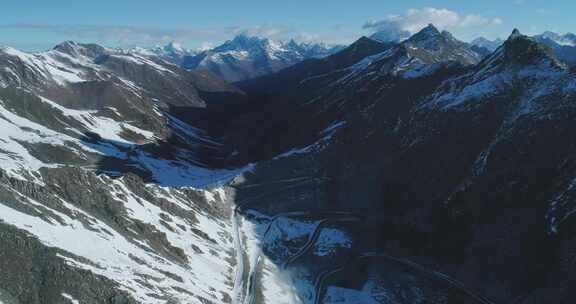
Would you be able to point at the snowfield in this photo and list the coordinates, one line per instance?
(127, 259)
(170, 239)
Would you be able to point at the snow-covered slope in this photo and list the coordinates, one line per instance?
(92, 198)
(152, 243)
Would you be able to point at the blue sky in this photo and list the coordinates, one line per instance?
(40, 24)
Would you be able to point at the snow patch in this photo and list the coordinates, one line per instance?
(329, 240)
(69, 298)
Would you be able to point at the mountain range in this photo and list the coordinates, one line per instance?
(491, 45)
(242, 57)
(246, 57)
(564, 46)
(171, 52)
(422, 170)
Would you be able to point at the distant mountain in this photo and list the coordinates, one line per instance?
(421, 54)
(308, 70)
(564, 46)
(568, 39)
(172, 52)
(490, 45)
(246, 57)
(282, 94)
(430, 45)
(436, 45)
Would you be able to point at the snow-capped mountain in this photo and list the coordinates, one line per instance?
(418, 171)
(172, 52)
(96, 206)
(564, 46)
(434, 46)
(568, 39)
(247, 57)
(490, 45)
(479, 46)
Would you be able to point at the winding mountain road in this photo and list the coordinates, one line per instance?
(314, 237)
(319, 282)
(251, 284)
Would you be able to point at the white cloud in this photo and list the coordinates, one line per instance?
(283, 32)
(268, 31)
(123, 36)
(196, 37)
(415, 19)
(206, 45)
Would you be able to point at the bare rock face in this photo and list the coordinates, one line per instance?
(524, 50)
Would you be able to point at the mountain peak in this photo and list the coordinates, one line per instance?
(243, 41)
(364, 45)
(246, 56)
(519, 48)
(429, 31)
(429, 38)
(432, 46)
(293, 44)
(515, 34)
(174, 47)
(427, 35)
(79, 49)
(66, 46)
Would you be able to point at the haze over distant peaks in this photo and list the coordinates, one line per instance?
(491, 45)
(247, 56)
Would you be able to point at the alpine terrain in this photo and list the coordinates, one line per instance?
(247, 56)
(391, 171)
